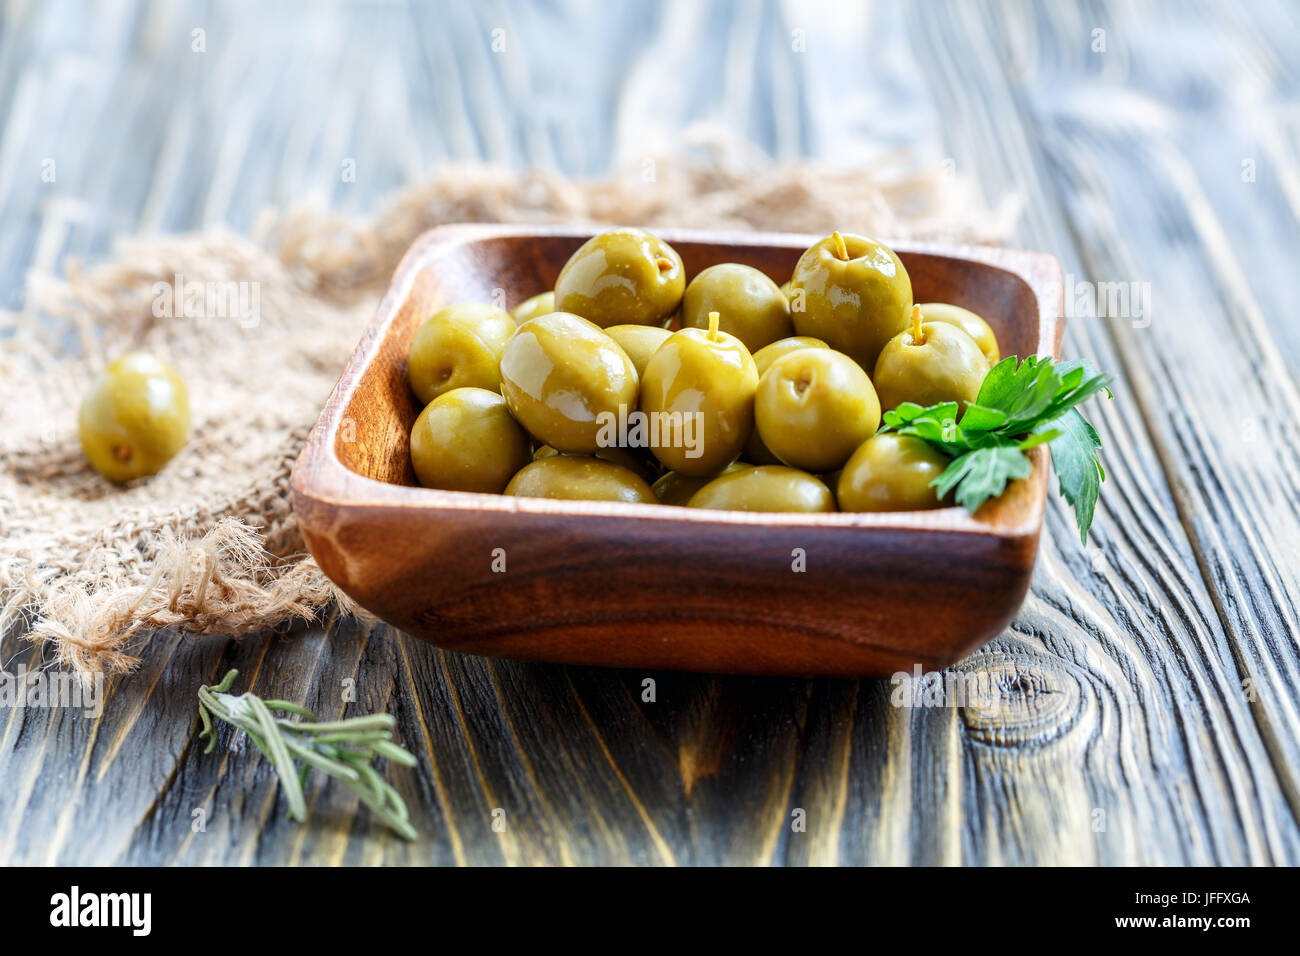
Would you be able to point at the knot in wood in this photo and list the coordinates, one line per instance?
(1016, 701)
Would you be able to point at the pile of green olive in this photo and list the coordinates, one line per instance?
(627, 383)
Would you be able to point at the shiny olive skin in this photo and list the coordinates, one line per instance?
(617, 456)
(639, 342)
(580, 477)
(854, 305)
(765, 488)
(713, 376)
(750, 305)
(541, 304)
(622, 277)
(459, 347)
(134, 418)
(765, 356)
(675, 489)
(891, 473)
(970, 323)
(946, 367)
(814, 407)
(560, 374)
(465, 440)
(755, 451)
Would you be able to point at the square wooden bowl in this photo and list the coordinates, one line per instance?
(604, 583)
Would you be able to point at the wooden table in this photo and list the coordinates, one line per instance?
(1151, 684)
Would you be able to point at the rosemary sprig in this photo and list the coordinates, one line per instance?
(341, 748)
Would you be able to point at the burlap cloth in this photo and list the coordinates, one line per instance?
(210, 545)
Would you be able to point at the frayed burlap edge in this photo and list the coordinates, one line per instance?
(210, 546)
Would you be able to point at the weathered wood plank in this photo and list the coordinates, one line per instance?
(1125, 738)
(1207, 363)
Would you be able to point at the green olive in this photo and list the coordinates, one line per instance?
(459, 347)
(765, 488)
(561, 375)
(752, 307)
(465, 440)
(856, 295)
(755, 451)
(675, 489)
(814, 407)
(582, 478)
(134, 418)
(614, 455)
(540, 304)
(970, 323)
(624, 276)
(930, 363)
(891, 473)
(639, 342)
(765, 356)
(699, 392)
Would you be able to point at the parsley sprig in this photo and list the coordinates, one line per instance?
(1020, 405)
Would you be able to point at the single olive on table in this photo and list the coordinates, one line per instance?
(814, 407)
(891, 473)
(931, 362)
(580, 477)
(459, 347)
(560, 374)
(134, 418)
(856, 295)
(765, 488)
(973, 325)
(700, 385)
(622, 277)
(752, 306)
(466, 440)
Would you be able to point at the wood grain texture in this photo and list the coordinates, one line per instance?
(1126, 733)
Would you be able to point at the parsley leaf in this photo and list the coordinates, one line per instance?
(982, 474)
(1023, 393)
(909, 412)
(981, 418)
(936, 425)
(1074, 457)
(1020, 405)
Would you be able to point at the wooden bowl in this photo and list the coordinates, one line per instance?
(605, 583)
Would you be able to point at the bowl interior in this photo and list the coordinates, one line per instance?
(373, 437)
